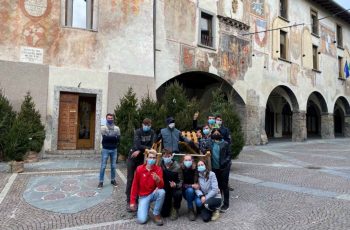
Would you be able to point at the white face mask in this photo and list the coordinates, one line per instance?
(171, 125)
(218, 122)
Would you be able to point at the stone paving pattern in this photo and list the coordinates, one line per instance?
(253, 205)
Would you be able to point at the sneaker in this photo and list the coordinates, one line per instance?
(158, 220)
(224, 208)
(191, 214)
(216, 215)
(114, 183)
(100, 185)
(174, 214)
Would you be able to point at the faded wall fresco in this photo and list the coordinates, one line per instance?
(180, 20)
(188, 58)
(295, 42)
(260, 37)
(257, 7)
(234, 57)
(327, 41)
(37, 23)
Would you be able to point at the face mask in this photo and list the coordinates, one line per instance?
(188, 164)
(167, 160)
(151, 161)
(146, 128)
(211, 121)
(171, 125)
(218, 122)
(205, 131)
(110, 122)
(201, 168)
(217, 137)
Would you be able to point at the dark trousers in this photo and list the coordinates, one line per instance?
(222, 176)
(174, 195)
(206, 210)
(132, 164)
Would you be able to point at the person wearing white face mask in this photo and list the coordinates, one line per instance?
(144, 137)
(208, 196)
(172, 185)
(147, 186)
(171, 136)
(190, 177)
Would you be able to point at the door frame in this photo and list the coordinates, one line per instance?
(55, 116)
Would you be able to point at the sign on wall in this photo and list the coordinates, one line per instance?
(31, 55)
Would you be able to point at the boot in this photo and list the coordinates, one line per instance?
(158, 220)
(191, 214)
(174, 214)
(216, 215)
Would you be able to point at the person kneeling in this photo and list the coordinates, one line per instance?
(208, 198)
(148, 187)
(172, 185)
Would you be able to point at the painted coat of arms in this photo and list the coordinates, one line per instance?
(261, 34)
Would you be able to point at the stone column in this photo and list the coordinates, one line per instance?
(252, 125)
(327, 126)
(253, 119)
(299, 126)
(278, 125)
(347, 126)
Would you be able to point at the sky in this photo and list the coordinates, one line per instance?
(344, 3)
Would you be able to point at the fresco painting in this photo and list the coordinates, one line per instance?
(328, 46)
(187, 57)
(234, 57)
(261, 34)
(257, 7)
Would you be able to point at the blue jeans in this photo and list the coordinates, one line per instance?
(158, 196)
(112, 153)
(189, 195)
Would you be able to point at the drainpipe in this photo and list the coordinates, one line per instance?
(154, 36)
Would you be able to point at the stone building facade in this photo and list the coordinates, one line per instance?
(282, 66)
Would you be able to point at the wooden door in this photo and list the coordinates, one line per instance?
(86, 122)
(67, 123)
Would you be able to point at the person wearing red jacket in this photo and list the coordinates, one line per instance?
(148, 187)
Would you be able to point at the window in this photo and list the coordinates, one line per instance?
(340, 67)
(206, 30)
(79, 14)
(339, 36)
(283, 45)
(283, 9)
(314, 57)
(314, 22)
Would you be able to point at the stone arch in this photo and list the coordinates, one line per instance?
(318, 122)
(341, 115)
(200, 84)
(280, 106)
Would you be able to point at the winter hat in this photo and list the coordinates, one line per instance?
(170, 120)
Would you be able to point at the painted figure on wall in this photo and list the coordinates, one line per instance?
(328, 41)
(257, 7)
(260, 32)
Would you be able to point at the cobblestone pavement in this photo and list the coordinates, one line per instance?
(282, 185)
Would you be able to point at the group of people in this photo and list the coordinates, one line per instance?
(165, 185)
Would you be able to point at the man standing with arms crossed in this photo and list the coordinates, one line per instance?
(110, 140)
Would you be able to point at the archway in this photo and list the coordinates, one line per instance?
(200, 85)
(280, 106)
(340, 112)
(317, 122)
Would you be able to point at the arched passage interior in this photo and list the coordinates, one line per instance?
(340, 112)
(316, 107)
(279, 112)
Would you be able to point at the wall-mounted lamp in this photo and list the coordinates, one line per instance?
(318, 52)
(253, 55)
(334, 41)
(264, 66)
(304, 55)
(277, 51)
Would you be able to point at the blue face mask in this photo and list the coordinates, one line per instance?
(201, 168)
(205, 131)
(167, 160)
(188, 164)
(211, 121)
(146, 128)
(151, 161)
(110, 122)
